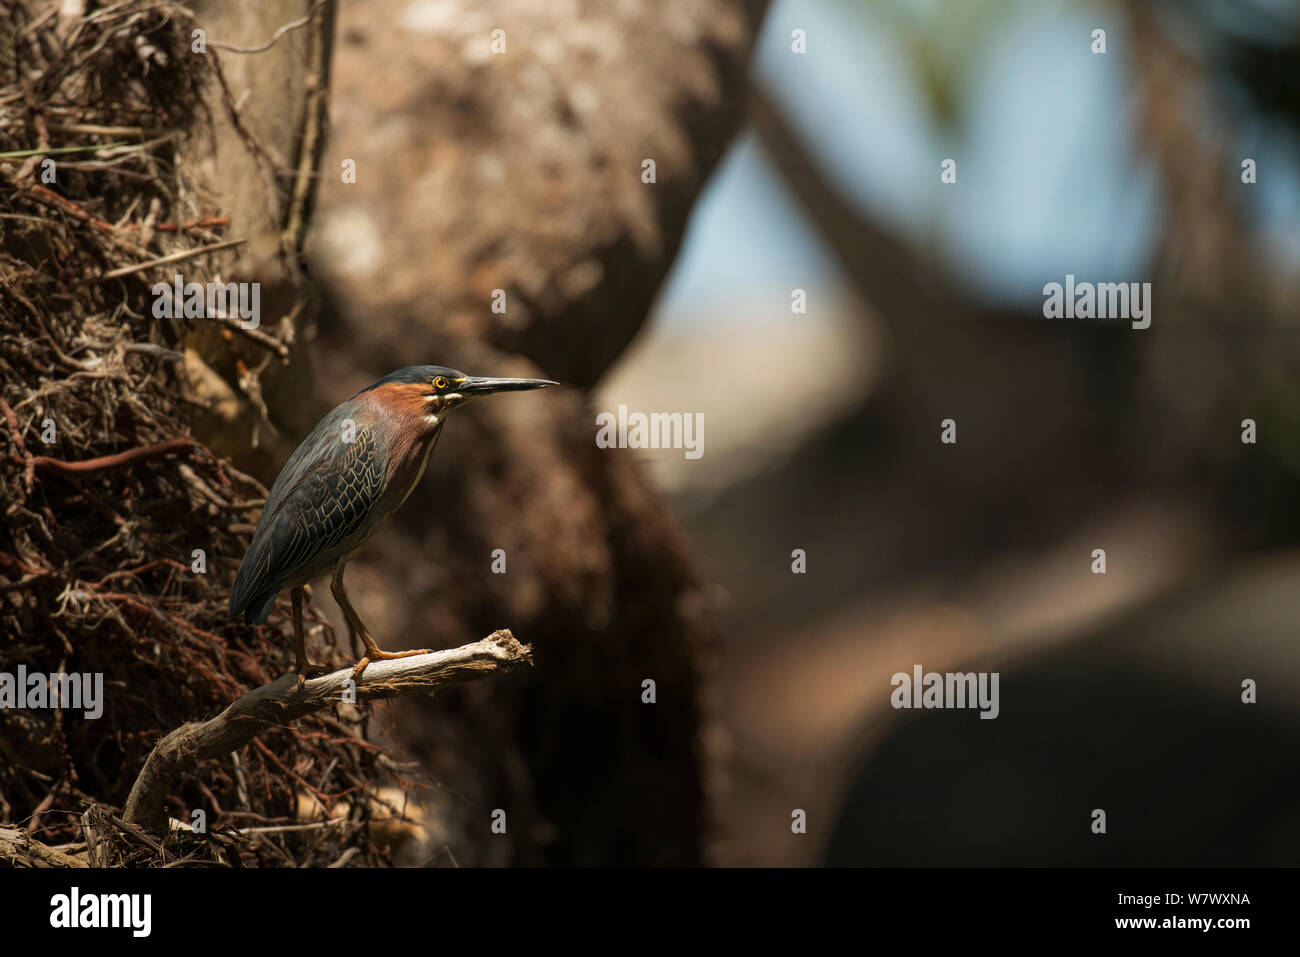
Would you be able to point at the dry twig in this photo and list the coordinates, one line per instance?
(281, 701)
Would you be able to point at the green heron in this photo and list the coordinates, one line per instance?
(355, 468)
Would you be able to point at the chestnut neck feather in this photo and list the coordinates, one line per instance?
(408, 422)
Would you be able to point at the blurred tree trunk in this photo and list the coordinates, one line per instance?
(521, 170)
(269, 115)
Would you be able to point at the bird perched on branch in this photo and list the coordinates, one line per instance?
(355, 468)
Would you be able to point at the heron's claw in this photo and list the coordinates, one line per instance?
(378, 654)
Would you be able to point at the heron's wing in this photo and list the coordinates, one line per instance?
(320, 500)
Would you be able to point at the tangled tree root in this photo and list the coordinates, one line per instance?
(120, 533)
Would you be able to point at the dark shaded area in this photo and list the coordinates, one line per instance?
(1186, 779)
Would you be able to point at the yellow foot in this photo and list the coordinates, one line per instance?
(375, 654)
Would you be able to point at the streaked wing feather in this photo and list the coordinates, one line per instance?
(322, 508)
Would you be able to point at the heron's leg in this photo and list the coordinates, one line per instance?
(352, 641)
(352, 632)
(373, 651)
(300, 654)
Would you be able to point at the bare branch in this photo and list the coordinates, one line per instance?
(17, 849)
(280, 702)
(172, 258)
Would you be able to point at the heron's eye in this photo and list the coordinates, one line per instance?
(440, 383)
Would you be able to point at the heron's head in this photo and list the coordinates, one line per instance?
(438, 389)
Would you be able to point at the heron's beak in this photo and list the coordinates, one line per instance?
(474, 386)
